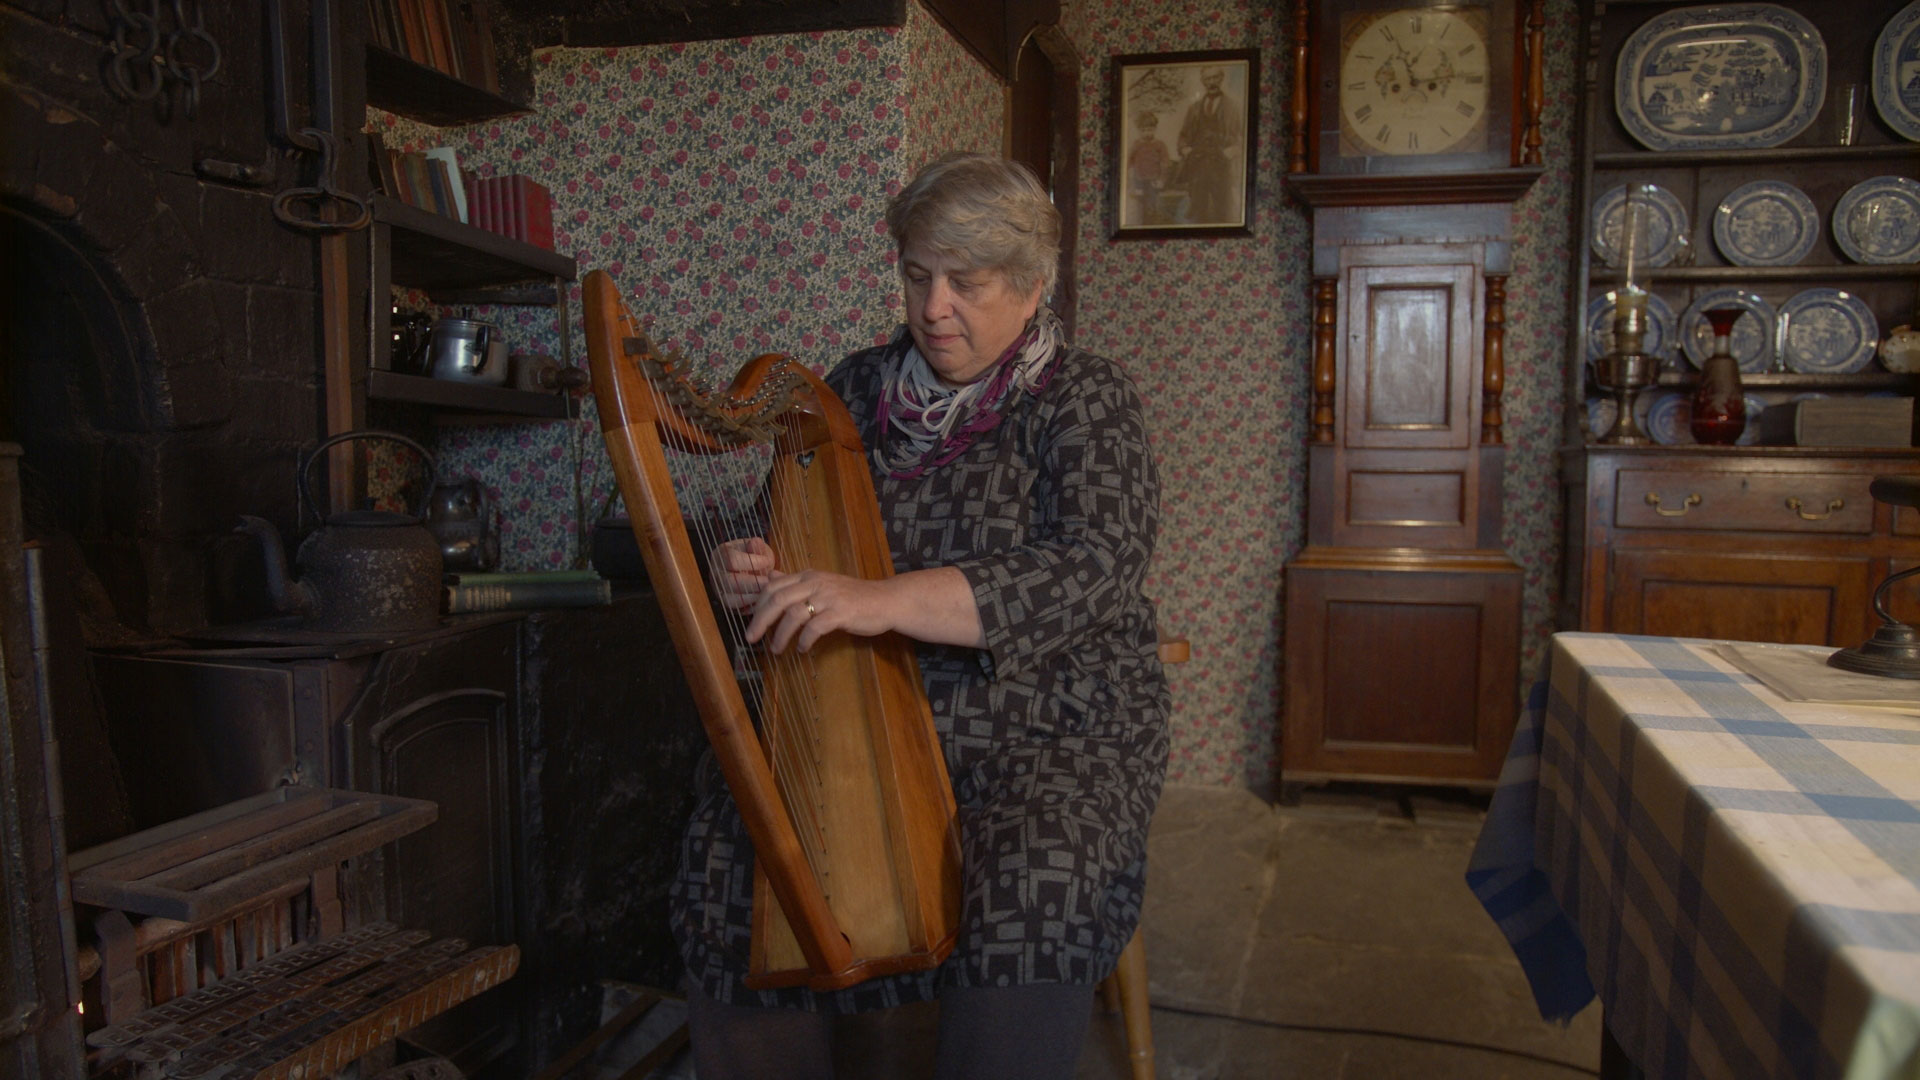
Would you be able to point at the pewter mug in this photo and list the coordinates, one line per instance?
(468, 350)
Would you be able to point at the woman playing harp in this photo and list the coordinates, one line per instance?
(1020, 502)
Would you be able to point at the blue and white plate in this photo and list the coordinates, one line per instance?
(1723, 77)
(1766, 223)
(1878, 221)
(1752, 339)
(1663, 227)
(1669, 417)
(1659, 339)
(1750, 435)
(1896, 72)
(1829, 332)
(1601, 413)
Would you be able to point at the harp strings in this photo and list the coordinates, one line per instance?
(794, 675)
(782, 693)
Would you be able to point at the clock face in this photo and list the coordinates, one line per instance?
(1414, 81)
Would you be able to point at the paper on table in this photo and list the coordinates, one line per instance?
(1800, 673)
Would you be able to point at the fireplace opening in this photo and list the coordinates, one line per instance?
(78, 398)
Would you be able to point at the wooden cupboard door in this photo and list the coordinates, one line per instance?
(1794, 599)
(1400, 674)
(1410, 369)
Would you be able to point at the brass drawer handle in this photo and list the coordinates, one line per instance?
(1691, 501)
(1794, 504)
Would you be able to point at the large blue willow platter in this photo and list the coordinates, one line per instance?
(1723, 77)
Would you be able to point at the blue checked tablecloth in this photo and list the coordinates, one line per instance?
(1735, 875)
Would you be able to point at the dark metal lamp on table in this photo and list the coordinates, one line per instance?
(1894, 649)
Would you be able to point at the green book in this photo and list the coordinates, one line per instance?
(522, 577)
(462, 599)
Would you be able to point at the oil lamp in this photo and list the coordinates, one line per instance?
(1627, 368)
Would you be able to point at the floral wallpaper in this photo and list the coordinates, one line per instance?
(1216, 332)
(953, 101)
(1536, 350)
(735, 190)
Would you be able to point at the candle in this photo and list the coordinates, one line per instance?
(1630, 228)
(1629, 318)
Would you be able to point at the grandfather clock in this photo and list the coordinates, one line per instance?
(1416, 127)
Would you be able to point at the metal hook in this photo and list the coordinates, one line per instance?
(123, 66)
(321, 197)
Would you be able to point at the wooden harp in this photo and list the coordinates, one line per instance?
(842, 785)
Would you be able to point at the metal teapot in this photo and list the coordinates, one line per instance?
(363, 571)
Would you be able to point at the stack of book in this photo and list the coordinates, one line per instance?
(450, 36)
(503, 591)
(429, 179)
(514, 206)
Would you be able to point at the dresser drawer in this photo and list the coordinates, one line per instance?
(1791, 502)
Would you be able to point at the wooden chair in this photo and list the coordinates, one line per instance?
(1125, 991)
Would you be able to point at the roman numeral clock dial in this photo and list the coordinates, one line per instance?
(1414, 81)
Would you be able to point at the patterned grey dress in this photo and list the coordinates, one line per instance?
(1055, 733)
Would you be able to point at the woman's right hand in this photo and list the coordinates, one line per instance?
(741, 571)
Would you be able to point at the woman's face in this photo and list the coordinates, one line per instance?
(962, 317)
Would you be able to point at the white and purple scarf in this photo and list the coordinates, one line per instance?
(926, 423)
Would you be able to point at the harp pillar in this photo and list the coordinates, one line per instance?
(1402, 612)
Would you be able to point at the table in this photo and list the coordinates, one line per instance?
(1734, 876)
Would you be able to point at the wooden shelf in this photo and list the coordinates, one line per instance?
(1778, 155)
(1403, 189)
(418, 92)
(1741, 274)
(202, 867)
(467, 397)
(437, 253)
(1859, 382)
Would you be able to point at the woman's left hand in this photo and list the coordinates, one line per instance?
(795, 610)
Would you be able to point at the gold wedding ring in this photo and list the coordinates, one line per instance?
(811, 612)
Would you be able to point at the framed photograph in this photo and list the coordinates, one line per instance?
(1183, 143)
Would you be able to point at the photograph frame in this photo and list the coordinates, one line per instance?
(1192, 177)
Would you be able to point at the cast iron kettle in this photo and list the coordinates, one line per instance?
(363, 571)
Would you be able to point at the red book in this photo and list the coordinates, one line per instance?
(516, 208)
(477, 203)
(483, 35)
(432, 16)
(413, 21)
(490, 203)
(539, 215)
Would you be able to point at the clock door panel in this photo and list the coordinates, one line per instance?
(1410, 357)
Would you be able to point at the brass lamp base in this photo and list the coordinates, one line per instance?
(1624, 375)
(1892, 651)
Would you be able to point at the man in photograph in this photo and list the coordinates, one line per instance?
(1209, 143)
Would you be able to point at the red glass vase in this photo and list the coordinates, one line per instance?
(1719, 405)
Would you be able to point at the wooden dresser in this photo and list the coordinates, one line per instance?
(1755, 544)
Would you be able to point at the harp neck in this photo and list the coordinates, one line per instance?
(771, 398)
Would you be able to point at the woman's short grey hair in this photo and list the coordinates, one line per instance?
(985, 211)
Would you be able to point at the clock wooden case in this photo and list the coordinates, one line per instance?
(1414, 125)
